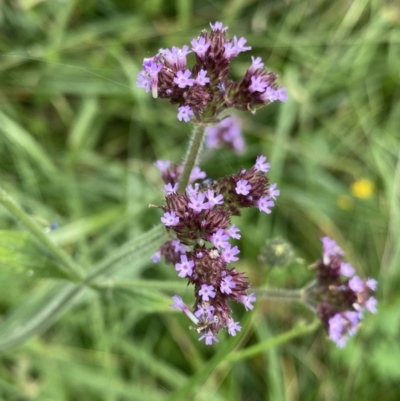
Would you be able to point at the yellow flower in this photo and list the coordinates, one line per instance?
(363, 188)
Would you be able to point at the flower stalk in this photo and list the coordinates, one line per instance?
(281, 294)
(192, 155)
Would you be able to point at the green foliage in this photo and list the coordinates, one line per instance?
(77, 146)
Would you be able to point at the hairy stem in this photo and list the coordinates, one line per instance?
(281, 294)
(192, 155)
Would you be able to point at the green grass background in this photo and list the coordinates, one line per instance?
(77, 146)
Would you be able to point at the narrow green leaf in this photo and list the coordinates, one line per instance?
(18, 136)
(19, 253)
(67, 266)
(39, 311)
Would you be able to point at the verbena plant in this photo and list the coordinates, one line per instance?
(196, 233)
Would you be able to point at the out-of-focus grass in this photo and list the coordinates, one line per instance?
(77, 146)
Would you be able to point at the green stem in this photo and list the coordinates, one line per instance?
(249, 352)
(281, 294)
(147, 284)
(67, 266)
(192, 155)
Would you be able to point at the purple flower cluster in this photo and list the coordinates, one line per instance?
(226, 133)
(205, 90)
(340, 296)
(199, 221)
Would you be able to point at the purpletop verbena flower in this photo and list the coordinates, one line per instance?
(198, 221)
(339, 296)
(205, 90)
(227, 133)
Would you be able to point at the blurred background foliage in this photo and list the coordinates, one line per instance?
(77, 146)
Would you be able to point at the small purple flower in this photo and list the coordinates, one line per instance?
(229, 253)
(197, 202)
(342, 326)
(273, 191)
(330, 250)
(143, 81)
(242, 187)
(176, 56)
(178, 246)
(182, 79)
(336, 329)
(239, 45)
(192, 190)
(233, 232)
(247, 301)
(230, 50)
(178, 303)
(270, 95)
(346, 269)
(214, 200)
(197, 174)
(256, 63)
(220, 239)
(371, 304)
(200, 46)
(218, 26)
(372, 284)
(233, 327)
(170, 189)
(264, 204)
(261, 164)
(163, 165)
(170, 219)
(227, 284)
(184, 113)
(185, 268)
(356, 284)
(152, 70)
(171, 56)
(209, 337)
(281, 94)
(257, 84)
(156, 257)
(205, 312)
(206, 292)
(181, 55)
(201, 78)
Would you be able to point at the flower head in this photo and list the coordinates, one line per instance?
(340, 296)
(198, 221)
(168, 76)
(227, 133)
